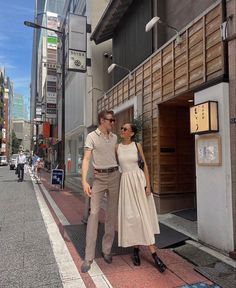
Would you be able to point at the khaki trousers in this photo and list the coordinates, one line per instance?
(103, 183)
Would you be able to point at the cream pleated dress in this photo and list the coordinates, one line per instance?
(137, 216)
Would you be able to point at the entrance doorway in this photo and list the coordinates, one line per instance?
(177, 188)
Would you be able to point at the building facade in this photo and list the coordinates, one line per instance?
(178, 68)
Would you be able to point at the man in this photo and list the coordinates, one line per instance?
(100, 144)
(21, 160)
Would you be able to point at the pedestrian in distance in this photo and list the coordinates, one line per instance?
(21, 161)
(38, 165)
(137, 216)
(34, 162)
(100, 145)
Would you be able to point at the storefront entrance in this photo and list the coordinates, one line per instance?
(177, 188)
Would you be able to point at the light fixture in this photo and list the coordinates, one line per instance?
(156, 20)
(114, 65)
(204, 118)
(151, 23)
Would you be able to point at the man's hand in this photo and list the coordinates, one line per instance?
(86, 188)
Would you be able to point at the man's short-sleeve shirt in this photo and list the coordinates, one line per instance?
(103, 149)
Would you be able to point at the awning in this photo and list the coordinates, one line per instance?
(109, 20)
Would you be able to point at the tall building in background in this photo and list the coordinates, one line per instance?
(44, 74)
(1, 109)
(10, 88)
(18, 107)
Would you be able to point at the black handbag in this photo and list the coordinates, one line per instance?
(140, 159)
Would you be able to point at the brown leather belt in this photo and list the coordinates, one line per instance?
(107, 170)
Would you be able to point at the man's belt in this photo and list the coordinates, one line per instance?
(107, 170)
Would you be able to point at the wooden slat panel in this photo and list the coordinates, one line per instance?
(181, 60)
(213, 52)
(195, 62)
(167, 68)
(214, 65)
(167, 78)
(195, 50)
(180, 82)
(156, 85)
(213, 25)
(213, 14)
(180, 71)
(195, 28)
(213, 39)
(147, 81)
(195, 74)
(195, 38)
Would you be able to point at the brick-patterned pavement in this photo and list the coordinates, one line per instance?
(122, 273)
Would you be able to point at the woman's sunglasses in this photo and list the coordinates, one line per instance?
(111, 120)
(124, 129)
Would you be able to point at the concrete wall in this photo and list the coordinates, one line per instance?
(214, 190)
(231, 9)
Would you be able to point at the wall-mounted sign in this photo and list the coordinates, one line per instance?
(77, 60)
(51, 97)
(209, 151)
(204, 118)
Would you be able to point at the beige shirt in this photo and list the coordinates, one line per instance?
(103, 149)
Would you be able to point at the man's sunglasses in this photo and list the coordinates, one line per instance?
(111, 120)
(124, 129)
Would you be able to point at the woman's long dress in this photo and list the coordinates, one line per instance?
(137, 216)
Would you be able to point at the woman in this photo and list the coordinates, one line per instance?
(137, 217)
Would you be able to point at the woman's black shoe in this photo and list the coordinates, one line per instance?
(158, 263)
(135, 257)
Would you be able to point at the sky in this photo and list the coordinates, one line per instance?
(16, 42)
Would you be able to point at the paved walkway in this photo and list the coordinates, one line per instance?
(35, 250)
(121, 273)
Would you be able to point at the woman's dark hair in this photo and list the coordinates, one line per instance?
(103, 114)
(134, 130)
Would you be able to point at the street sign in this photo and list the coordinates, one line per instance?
(57, 177)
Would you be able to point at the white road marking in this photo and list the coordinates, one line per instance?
(55, 208)
(69, 274)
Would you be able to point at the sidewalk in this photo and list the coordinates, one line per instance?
(121, 273)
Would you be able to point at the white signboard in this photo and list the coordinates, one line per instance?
(51, 97)
(52, 78)
(77, 60)
(77, 32)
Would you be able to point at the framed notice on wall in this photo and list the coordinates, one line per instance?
(208, 151)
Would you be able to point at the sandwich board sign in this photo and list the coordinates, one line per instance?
(57, 177)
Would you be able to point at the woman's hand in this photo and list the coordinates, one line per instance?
(148, 191)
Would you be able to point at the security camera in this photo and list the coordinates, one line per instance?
(105, 55)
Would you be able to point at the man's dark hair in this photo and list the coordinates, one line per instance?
(103, 114)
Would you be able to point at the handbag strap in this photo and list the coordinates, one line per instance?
(140, 156)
